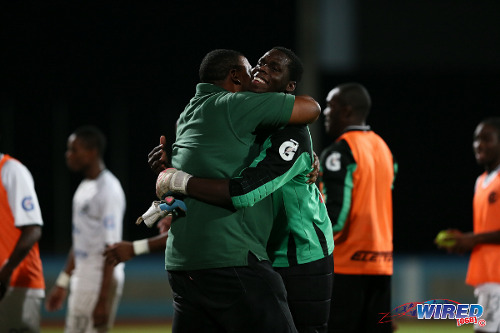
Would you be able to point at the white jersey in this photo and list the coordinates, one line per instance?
(21, 194)
(98, 210)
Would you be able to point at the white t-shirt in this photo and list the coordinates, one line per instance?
(98, 210)
(23, 201)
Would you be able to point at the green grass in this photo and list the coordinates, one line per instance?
(120, 328)
(432, 326)
(405, 326)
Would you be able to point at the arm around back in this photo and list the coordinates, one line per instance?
(305, 110)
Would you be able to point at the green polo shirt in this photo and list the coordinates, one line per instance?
(215, 139)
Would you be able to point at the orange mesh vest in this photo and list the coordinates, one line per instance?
(364, 245)
(29, 273)
(484, 262)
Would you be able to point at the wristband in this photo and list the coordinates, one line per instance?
(63, 280)
(179, 180)
(140, 247)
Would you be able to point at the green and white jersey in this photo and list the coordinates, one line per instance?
(215, 139)
(302, 231)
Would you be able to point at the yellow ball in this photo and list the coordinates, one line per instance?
(442, 241)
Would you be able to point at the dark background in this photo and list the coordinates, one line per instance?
(130, 68)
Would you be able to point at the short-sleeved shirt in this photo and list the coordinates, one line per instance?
(19, 207)
(98, 210)
(302, 231)
(215, 139)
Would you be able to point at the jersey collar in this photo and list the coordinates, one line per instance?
(363, 128)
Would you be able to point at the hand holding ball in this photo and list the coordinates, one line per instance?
(445, 239)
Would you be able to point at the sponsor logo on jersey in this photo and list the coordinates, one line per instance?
(492, 198)
(109, 222)
(27, 203)
(288, 149)
(439, 309)
(80, 253)
(372, 256)
(332, 162)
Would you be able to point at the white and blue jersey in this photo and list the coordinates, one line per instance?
(98, 210)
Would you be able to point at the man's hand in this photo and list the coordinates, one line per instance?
(157, 158)
(55, 299)
(313, 175)
(160, 209)
(101, 314)
(464, 242)
(119, 252)
(164, 224)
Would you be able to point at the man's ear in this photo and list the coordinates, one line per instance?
(290, 87)
(347, 112)
(94, 153)
(234, 76)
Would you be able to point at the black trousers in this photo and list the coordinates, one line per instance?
(309, 288)
(232, 299)
(359, 302)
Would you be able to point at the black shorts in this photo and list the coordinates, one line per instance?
(231, 299)
(359, 303)
(309, 288)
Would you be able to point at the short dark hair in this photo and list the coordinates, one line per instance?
(216, 65)
(493, 122)
(92, 138)
(295, 67)
(356, 96)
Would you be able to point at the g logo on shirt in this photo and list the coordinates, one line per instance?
(288, 149)
(332, 162)
(27, 203)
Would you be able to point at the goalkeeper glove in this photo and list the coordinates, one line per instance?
(160, 209)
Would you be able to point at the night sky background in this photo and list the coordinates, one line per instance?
(130, 68)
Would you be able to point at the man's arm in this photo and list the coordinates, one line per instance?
(102, 308)
(124, 251)
(59, 291)
(211, 191)
(29, 236)
(305, 110)
(337, 166)
(285, 155)
(216, 191)
(465, 242)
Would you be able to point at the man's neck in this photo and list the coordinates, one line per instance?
(95, 170)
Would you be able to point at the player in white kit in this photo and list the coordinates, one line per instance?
(98, 210)
(22, 285)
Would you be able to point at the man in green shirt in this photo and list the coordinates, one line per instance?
(216, 258)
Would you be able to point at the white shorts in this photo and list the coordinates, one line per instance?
(81, 304)
(20, 311)
(488, 295)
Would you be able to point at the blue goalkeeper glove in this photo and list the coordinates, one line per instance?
(160, 209)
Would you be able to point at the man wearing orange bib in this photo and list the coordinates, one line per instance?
(357, 174)
(22, 285)
(484, 242)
